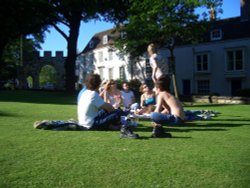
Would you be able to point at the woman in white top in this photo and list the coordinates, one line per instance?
(155, 61)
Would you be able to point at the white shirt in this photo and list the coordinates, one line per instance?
(88, 106)
(157, 61)
(127, 98)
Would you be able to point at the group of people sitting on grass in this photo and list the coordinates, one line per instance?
(101, 109)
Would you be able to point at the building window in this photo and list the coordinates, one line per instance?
(216, 34)
(123, 35)
(105, 39)
(100, 56)
(111, 73)
(122, 73)
(110, 54)
(101, 72)
(91, 44)
(234, 60)
(203, 87)
(202, 63)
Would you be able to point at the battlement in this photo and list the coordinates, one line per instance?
(48, 54)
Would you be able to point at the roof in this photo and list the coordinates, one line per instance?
(232, 28)
(97, 40)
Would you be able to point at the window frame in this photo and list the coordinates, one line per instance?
(105, 39)
(203, 70)
(216, 34)
(234, 61)
(100, 57)
(203, 89)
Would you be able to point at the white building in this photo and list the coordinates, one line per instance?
(220, 65)
(99, 56)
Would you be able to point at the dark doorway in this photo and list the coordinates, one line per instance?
(186, 87)
(235, 86)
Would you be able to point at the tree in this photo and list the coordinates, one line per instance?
(166, 23)
(16, 53)
(70, 14)
(22, 18)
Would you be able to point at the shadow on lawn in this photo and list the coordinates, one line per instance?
(205, 105)
(178, 129)
(39, 97)
(7, 114)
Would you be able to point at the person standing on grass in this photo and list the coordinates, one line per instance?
(156, 62)
(95, 114)
(169, 109)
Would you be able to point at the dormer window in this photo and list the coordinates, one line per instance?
(91, 44)
(216, 34)
(105, 39)
(123, 35)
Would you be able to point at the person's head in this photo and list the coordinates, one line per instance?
(93, 81)
(125, 86)
(151, 49)
(111, 84)
(144, 88)
(104, 82)
(163, 83)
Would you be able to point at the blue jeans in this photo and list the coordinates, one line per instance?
(104, 119)
(165, 118)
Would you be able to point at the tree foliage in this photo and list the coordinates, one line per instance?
(23, 17)
(166, 23)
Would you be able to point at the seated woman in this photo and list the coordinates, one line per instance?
(148, 100)
(111, 94)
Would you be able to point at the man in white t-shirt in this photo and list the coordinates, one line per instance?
(95, 114)
(128, 97)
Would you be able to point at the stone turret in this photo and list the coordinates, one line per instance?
(245, 10)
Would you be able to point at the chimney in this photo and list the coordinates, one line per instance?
(245, 10)
(212, 14)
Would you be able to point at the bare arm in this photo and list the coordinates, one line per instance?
(142, 101)
(108, 107)
(159, 104)
(105, 96)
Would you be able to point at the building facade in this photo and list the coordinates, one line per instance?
(218, 66)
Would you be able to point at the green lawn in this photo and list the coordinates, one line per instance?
(214, 153)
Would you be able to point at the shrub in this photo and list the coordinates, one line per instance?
(243, 92)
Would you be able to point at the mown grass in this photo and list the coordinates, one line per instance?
(214, 153)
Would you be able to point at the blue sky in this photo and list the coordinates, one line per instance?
(55, 42)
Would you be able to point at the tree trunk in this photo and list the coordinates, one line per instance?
(3, 43)
(70, 77)
(172, 65)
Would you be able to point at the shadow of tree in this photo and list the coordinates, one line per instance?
(39, 97)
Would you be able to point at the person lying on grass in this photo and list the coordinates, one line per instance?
(169, 109)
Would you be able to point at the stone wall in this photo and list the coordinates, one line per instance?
(216, 99)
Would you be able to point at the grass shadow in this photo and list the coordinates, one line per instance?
(39, 97)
